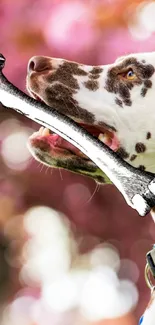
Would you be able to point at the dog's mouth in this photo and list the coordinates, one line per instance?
(47, 141)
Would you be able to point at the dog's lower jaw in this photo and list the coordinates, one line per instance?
(76, 165)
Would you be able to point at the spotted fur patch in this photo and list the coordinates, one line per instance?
(61, 98)
(122, 86)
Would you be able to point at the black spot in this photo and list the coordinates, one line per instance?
(142, 167)
(124, 91)
(73, 68)
(147, 71)
(94, 76)
(133, 157)
(118, 102)
(143, 92)
(91, 85)
(148, 135)
(140, 147)
(143, 61)
(148, 83)
(122, 153)
(127, 102)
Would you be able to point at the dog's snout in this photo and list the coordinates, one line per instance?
(38, 64)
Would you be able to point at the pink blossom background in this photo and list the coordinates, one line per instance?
(91, 32)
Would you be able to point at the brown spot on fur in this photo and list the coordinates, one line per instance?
(133, 157)
(96, 70)
(91, 85)
(147, 71)
(142, 167)
(148, 83)
(73, 68)
(148, 135)
(63, 76)
(140, 147)
(124, 92)
(94, 76)
(122, 153)
(61, 98)
(143, 92)
(66, 74)
(127, 102)
(118, 102)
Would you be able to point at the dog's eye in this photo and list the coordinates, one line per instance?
(130, 75)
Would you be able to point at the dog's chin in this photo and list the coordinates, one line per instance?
(43, 150)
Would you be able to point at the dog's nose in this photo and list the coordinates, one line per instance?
(38, 64)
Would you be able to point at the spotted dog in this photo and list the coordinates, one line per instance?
(113, 102)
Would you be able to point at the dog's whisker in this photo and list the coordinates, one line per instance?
(93, 194)
(60, 174)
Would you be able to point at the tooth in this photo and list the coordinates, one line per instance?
(103, 137)
(45, 132)
(41, 130)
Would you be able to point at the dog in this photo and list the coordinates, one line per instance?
(114, 102)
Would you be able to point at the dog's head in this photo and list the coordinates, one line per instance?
(113, 102)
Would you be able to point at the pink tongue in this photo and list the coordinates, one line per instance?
(57, 141)
(115, 143)
(112, 143)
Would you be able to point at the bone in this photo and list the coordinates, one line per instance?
(131, 182)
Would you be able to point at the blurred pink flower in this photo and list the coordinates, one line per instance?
(69, 29)
(119, 42)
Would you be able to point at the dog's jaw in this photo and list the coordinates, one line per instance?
(98, 96)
